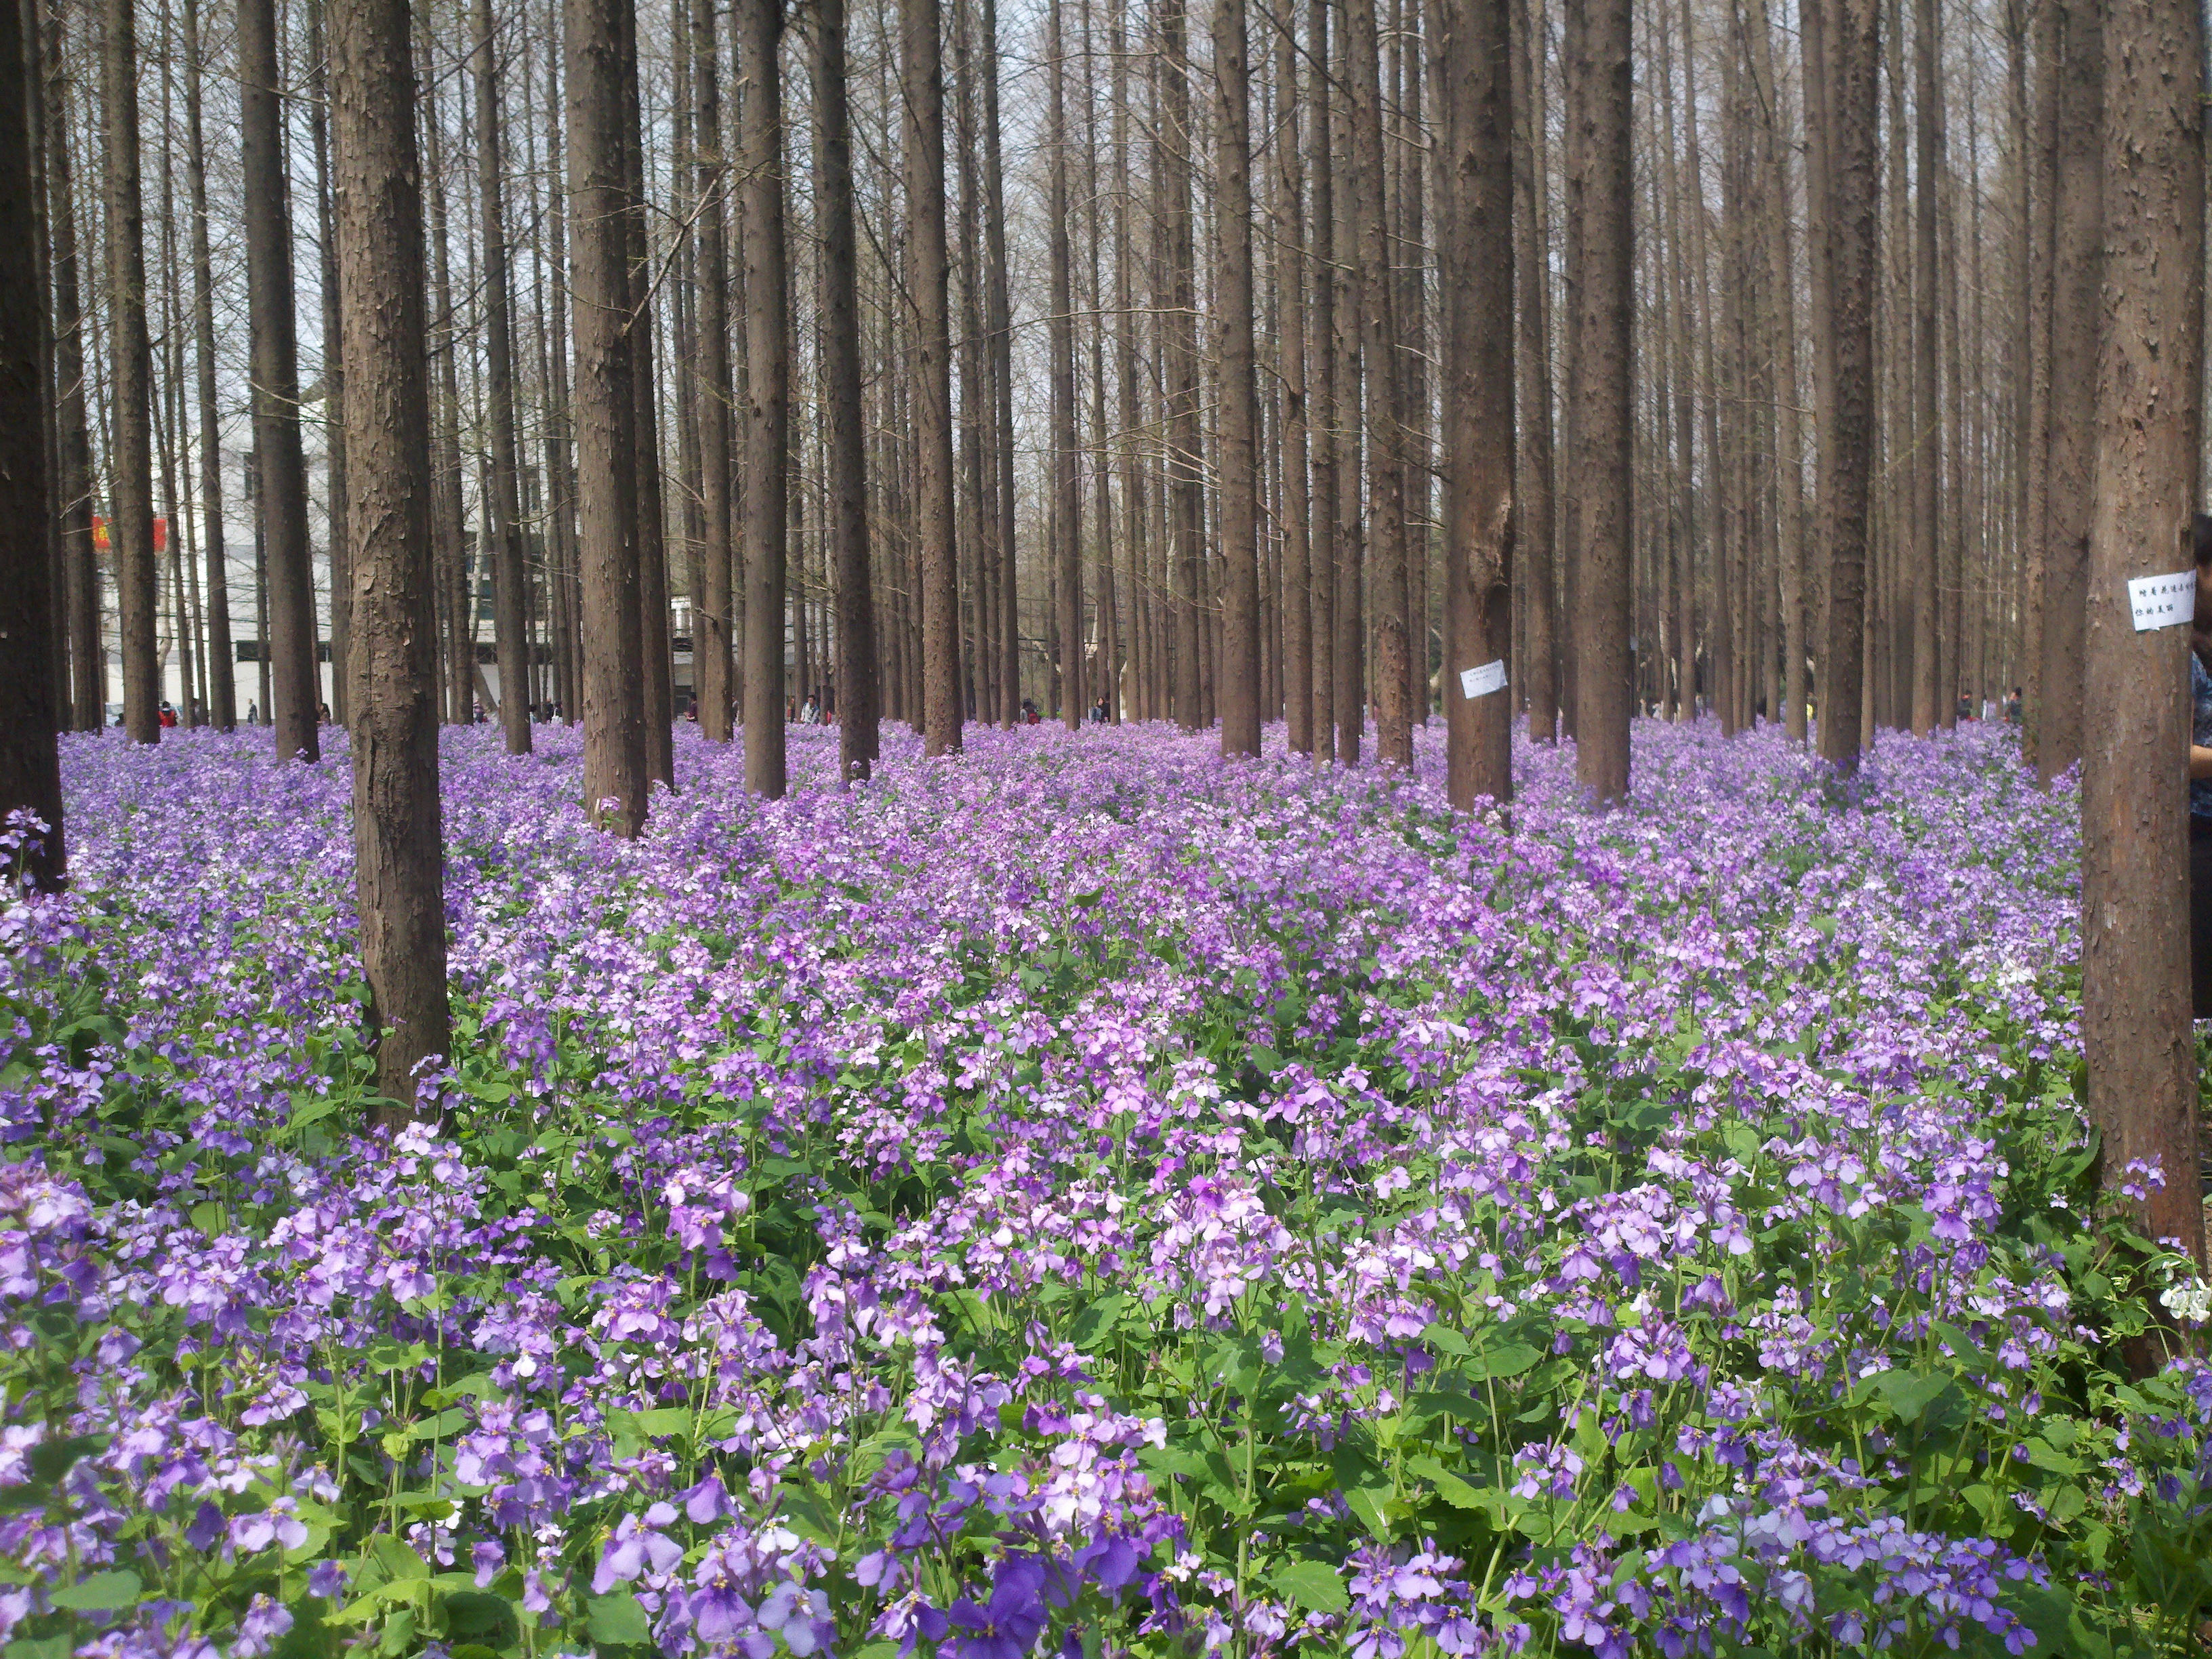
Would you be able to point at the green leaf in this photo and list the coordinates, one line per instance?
(1313, 1585)
(1909, 1393)
(1506, 1359)
(104, 1592)
(1097, 1321)
(1373, 1506)
(618, 1620)
(1444, 1339)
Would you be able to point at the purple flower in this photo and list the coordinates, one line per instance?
(1006, 1626)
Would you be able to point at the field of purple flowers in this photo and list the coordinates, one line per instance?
(1087, 1198)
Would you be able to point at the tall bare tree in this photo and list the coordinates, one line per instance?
(72, 483)
(1851, 112)
(606, 418)
(295, 677)
(1474, 81)
(1604, 461)
(759, 29)
(2136, 1030)
(2076, 317)
(502, 516)
(30, 760)
(1239, 419)
(131, 461)
(398, 833)
(223, 689)
(845, 450)
(1067, 459)
(922, 83)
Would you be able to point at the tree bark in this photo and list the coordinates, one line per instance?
(656, 661)
(334, 370)
(2135, 1028)
(1605, 490)
(72, 484)
(767, 504)
(1297, 502)
(1383, 384)
(710, 605)
(30, 759)
(222, 658)
(921, 74)
(1535, 525)
(847, 457)
(295, 675)
(1474, 247)
(131, 464)
(1066, 459)
(1232, 305)
(1000, 320)
(1852, 109)
(397, 850)
(606, 419)
(2077, 313)
(1327, 421)
(1790, 442)
(502, 517)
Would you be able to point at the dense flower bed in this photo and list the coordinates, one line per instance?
(1084, 1195)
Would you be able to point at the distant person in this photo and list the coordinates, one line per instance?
(2012, 707)
(811, 713)
(1966, 707)
(691, 711)
(168, 716)
(253, 714)
(1098, 711)
(322, 714)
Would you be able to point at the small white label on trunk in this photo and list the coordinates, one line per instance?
(1481, 682)
(2163, 601)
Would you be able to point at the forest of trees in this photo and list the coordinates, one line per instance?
(1100, 352)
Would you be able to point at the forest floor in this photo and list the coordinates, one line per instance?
(1084, 1195)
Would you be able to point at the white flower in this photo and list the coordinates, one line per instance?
(2190, 1301)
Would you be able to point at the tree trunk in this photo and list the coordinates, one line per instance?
(334, 370)
(295, 675)
(766, 506)
(1383, 382)
(1535, 525)
(1326, 416)
(30, 759)
(1474, 247)
(72, 484)
(131, 464)
(1605, 495)
(1232, 305)
(2136, 1030)
(445, 512)
(606, 419)
(1783, 288)
(846, 492)
(1000, 320)
(710, 604)
(502, 517)
(1067, 461)
(222, 679)
(655, 659)
(2077, 314)
(1297, 504)
(921, 75)
(1852, 106)
(1173, 163)
(398, 842)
